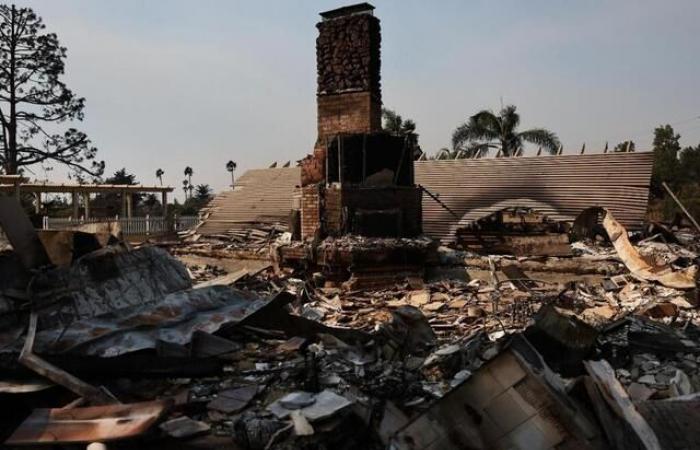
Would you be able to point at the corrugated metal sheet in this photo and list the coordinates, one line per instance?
(559, 186)
(173, 320)
(261, 195)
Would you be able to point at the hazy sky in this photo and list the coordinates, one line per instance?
(175, 83)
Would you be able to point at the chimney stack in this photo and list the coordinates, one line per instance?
(348, 65)
(348, 94)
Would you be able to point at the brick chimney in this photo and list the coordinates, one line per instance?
(348, 64)
(348, 95)
(360, 179)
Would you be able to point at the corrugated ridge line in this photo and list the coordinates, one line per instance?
(559, 186)
(569, 183)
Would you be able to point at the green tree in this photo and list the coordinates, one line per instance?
(35, 102)
(666, 146)
(111, 203)
(187, 184)
(159, 175)
(689, 163)
(485, 131)
(398, 126)
(121, 176)
(151, 205)
(202, 193)
(395, 124)
(626, 146)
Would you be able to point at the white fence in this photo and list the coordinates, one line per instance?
(129, 226)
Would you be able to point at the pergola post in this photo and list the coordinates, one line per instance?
(164, 202)
(86, 204)
(128, 206)
(75, 203)
(37, 203)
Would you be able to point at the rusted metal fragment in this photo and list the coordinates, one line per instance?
(638, 266)
(105, 282)
(90, 424)
(175, 319)
(56, 374)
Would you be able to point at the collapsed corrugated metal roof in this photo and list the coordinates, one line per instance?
(261, 195)
(174, 320)
(114, 302)
(558, 186)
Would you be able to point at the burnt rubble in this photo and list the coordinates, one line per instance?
(343, 326)
(482, 351)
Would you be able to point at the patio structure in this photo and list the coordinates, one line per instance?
(15, 184)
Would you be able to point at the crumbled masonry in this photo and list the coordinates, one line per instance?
(233, 351)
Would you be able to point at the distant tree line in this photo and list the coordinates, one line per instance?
(679, 168)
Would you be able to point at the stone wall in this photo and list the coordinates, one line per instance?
(347, 55)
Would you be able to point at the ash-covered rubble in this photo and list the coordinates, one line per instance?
(253, 242)
(484, 352)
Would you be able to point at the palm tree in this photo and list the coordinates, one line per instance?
(188, 174)
(202, 193)
(485, 131)
(231, 166)
(624, 147)
(185, 186)
(159, 175)
(396, 125)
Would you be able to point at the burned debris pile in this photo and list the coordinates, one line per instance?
(340, 325)
(485, 351)
(516, 231)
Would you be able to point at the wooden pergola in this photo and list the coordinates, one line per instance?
(15, 184)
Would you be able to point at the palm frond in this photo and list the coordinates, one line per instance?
(544, 138)
(479, 127)
(392, 121)
(509, 119)
(408, 126)
(487, 120)
(443, 153)
(479, 149)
